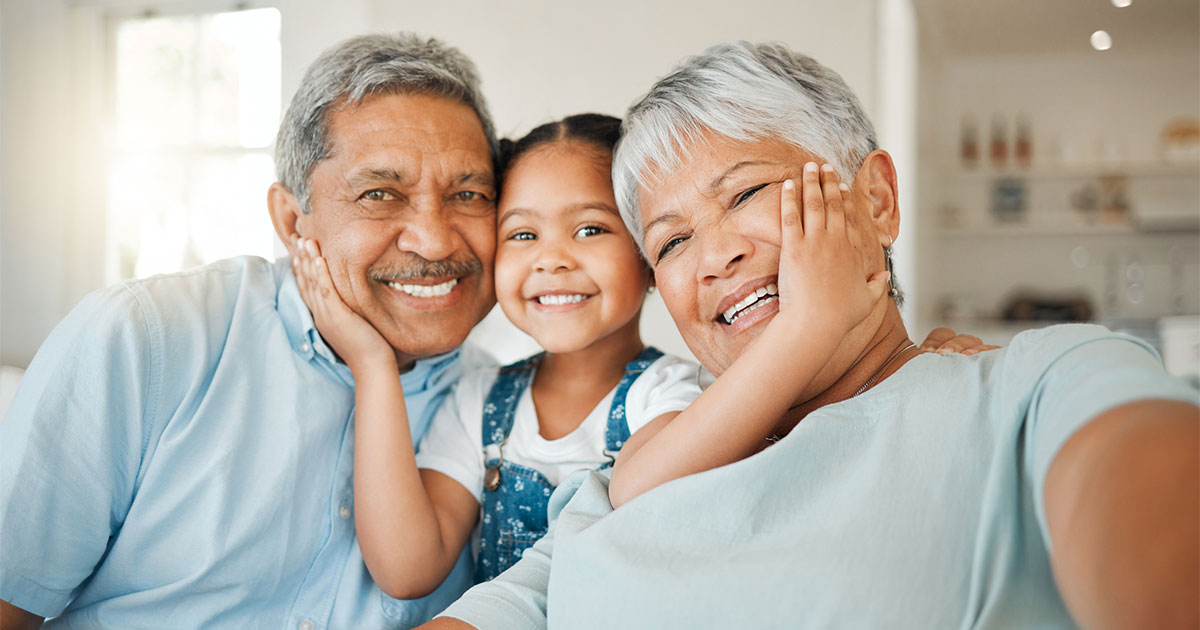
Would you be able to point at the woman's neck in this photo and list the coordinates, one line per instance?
(885, 353)
(568, 385)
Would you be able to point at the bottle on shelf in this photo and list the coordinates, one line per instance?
(1023, 146)
(969, 143)
(998, 148)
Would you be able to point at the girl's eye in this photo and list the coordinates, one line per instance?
(671, 244)
(522, 236)
(590, 230)
(378, 195)
(745, 196)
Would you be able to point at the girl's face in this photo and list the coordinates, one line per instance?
(567, 271)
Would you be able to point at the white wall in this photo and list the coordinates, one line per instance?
(539, 60)
(1091, 113)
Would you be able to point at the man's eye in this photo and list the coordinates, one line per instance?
(745, 196)
(469, 196)
(668, 246)
(378, 195)
(589, 230)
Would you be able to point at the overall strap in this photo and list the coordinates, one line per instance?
(500, 408)
(618, 427)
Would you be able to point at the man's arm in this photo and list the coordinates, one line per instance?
(13, 618)
(1122, 500)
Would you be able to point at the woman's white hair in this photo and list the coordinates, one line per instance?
(742, 91)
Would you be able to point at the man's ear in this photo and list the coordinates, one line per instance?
(877, 176)
(285, 215)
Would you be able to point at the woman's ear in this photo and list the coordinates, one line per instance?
(285, 215)
(878, 178)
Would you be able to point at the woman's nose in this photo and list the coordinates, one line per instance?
(720, 250)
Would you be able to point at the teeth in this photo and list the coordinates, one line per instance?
(555, 300)
(425, 290)
(751, 302)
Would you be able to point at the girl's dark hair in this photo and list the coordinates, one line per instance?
(599, 130)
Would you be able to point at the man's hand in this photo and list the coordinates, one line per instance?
(13, 618)
(946, 341)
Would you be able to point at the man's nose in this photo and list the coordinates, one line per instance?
(429, 233)
(721, 248)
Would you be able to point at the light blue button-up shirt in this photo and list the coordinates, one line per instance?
(180, 455)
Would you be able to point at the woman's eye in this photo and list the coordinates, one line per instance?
(745, 196)
(378, 195)
(668, 246)
(589, 230)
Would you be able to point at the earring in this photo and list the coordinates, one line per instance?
(887, 263)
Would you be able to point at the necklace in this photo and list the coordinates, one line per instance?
(908, 345)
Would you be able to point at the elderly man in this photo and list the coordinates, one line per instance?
(1051, 484)
(180, 452)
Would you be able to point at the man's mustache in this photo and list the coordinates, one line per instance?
(418, 268)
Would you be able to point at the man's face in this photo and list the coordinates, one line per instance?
(713, 238)
(404, 213)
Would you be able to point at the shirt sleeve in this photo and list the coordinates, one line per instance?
(73, 442)
(669, 384)
(453, 446)
(1093, 375)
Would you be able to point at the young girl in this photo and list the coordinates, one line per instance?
(567, 273)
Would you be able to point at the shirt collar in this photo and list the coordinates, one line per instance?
(307, 342)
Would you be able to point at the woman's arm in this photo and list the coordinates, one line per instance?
(411, 524)
(1122, 502)
(733, 417)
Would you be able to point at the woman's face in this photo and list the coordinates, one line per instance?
(713, 237)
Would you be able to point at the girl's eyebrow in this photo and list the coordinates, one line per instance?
(573, 208)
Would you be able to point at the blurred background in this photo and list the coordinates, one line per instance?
(1049, 152)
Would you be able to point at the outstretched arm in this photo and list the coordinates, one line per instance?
(1122, 501)
(411, 524)
(13, 618)
(819, 265)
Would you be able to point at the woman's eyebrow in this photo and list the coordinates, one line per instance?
(662, 218)
(720, 179)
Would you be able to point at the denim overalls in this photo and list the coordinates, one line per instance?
(514, 509)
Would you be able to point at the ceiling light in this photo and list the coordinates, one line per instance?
(1101, 40)
(1121, 4)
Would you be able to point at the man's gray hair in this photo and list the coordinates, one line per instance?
(344, 75)
(742, 91)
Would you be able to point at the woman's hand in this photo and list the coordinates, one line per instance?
(946, 341)
(820, 263)
(356, 341)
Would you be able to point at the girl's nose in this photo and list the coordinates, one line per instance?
(553, 257)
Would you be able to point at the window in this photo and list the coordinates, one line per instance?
(195, 107)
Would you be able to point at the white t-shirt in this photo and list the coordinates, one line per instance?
(454, 444)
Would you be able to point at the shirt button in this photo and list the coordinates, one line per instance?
(344, 512)
(304, 348)
(307, 624)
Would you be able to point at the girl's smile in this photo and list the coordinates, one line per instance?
(567, 271)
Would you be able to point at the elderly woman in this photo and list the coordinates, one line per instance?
(1050, 484)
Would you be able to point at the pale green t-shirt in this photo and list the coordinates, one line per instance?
(916, 505)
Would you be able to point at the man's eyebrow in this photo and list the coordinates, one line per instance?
(720, 179)
(483, 178)
(369, 176)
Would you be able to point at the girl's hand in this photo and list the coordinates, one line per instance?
(356, 341)
(946, 341)
(822, 287)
